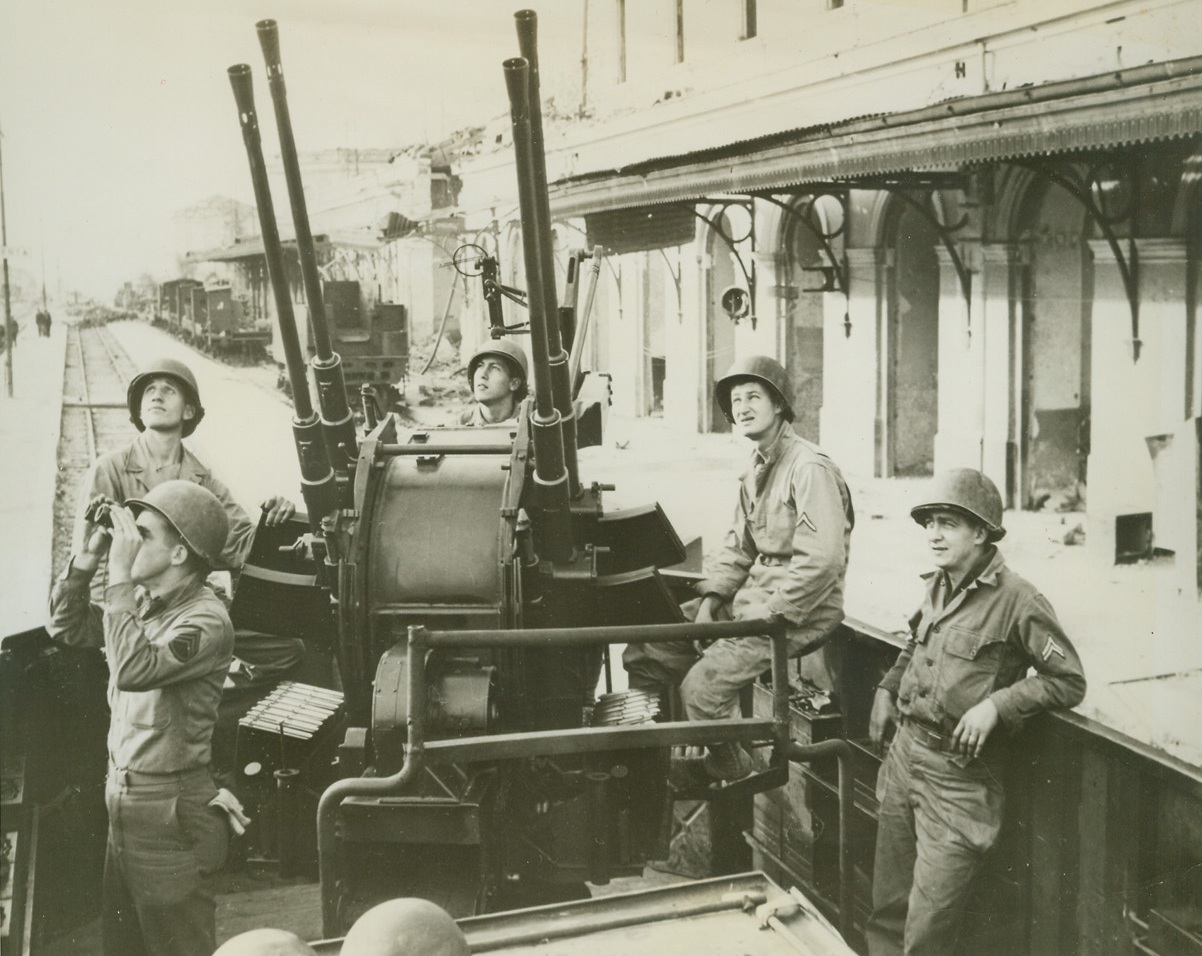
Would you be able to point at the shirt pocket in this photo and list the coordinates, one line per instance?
(971, 659)
(780, 521)
(146, 710)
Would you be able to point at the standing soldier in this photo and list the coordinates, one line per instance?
(784, 557)
(164, 405)
(959, 690)
(497, 373)
(168, 640)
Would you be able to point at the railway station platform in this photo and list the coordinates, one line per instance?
(29, 425)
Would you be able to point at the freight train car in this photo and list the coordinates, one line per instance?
(211, 318)
(373, 340)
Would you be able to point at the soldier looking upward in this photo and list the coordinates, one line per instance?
(785, 556)
(168, 641)
(497, 373)
(164, 405)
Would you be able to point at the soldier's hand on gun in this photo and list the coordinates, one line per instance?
(279, 509)
(127, 542)
(974, 728)
(707, 609)
(884, 714)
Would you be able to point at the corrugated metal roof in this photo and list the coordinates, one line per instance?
(1155, 102)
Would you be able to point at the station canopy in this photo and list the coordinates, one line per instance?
(1156, 102)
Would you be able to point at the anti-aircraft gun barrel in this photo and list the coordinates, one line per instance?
(553, 530)
(337, 423)
(537, 233)
(318, 484)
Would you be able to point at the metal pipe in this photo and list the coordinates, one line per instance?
(422, 451)
(318, 484)
(554, 529)
(526, 22)
(287, 824)
(582, 324)
(509, 931)
(613, 634)
(338, 424)
(805, 753)
(597, 795)
(331, 799)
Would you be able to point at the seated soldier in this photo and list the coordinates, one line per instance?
(784, 557)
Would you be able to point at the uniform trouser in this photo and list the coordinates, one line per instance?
(710, 680)
(937, 820)
(163, 842)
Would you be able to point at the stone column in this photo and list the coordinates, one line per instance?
(961, 383)
(852, 359)
(1139, 449)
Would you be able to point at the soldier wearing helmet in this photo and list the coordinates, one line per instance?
(265, 942)
(405, 927)
(164, 405)
(784, 557)
(169, 642)
(498, 373)
(959, 691)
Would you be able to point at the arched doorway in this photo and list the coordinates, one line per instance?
(719, 329)
(804, 310)
(913, 346)
(1056, 305)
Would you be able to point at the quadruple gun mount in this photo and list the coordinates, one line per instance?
(477, 584)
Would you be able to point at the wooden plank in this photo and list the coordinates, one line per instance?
(295, 907)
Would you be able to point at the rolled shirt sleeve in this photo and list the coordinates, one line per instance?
(242, 529)
(72, 618)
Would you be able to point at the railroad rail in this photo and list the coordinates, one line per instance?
(96, 373)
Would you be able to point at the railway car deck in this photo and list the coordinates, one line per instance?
(1150, 776)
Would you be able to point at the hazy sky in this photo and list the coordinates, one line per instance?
(115, 113)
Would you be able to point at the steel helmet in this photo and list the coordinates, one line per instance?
(195, 514)
(405, 927)
(265, 942)
(172, 369)
(968, 491)
(762, 369)
(504, 349)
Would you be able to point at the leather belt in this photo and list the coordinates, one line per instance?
(929, 738)
(137, 778)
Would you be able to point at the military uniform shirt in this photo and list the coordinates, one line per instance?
(786, 552)
(128, 473)
(980, 642)
(475, 417)
(167, 656)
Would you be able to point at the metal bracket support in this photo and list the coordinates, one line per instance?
(1085, 192)
(747, 204)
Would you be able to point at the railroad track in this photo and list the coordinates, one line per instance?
(96, 374)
